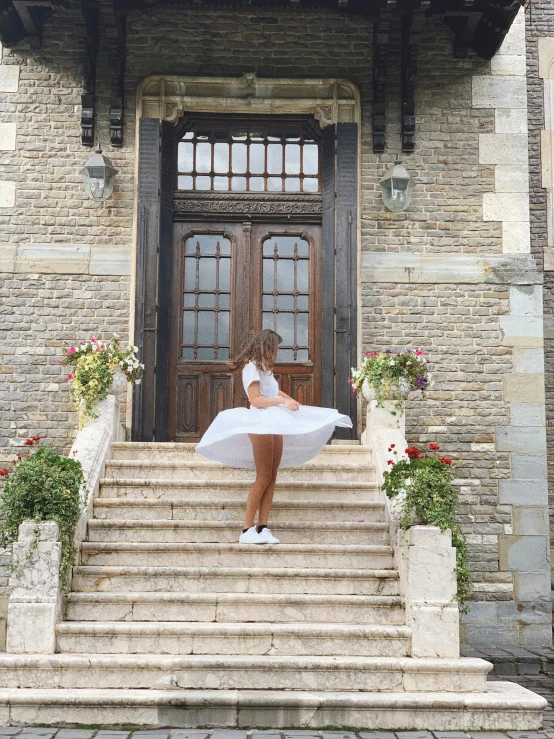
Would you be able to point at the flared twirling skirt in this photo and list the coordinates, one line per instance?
(305, 432)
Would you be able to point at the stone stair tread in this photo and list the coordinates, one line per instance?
(222, 502)
(466, 665)
(125, 523)
(207, 464)
(505, 705)
(362, 631)
(201, 597)
(245, 483)
(99, 570)
(91, 546)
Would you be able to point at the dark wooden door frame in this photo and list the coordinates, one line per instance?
(156, 182)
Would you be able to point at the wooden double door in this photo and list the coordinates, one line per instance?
(229, 281)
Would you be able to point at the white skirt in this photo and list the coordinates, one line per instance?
(305, 432)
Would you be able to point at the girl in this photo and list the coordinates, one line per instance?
(276, 431)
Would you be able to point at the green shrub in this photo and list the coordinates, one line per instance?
(44, 487)
(431, 497)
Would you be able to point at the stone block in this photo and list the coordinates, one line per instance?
(9, 78)
(546, 57)
(505, 206)
(7, 192)
(525, 439)
(525, 388)
(510, 65)
(527, 414)
(435, 631)
(523, 492)
(7, 257)
(70, 259)
(511, 178)
(547, 158)
(7, 136)
(526, 300)
(510, 120)
(499, 92)
(110, 260)
(503, 148)
(535, 635)
(522, 331)
(514, 41)
(528, 361)
(516, 237)
(522, 554)
(530, 521)
(529, 467)
(532, 586)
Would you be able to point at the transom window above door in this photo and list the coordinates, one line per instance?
(254, 157)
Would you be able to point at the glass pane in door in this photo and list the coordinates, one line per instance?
(285, 294)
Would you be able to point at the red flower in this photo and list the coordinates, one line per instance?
(445, 460)
(434, 447)
(390, 461)
(29, 442)
(412, 452)
(4, 472)
(392, 446)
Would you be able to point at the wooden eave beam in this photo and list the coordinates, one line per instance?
(114, 24)
(381, 41)
(412, 25)
(85, 28)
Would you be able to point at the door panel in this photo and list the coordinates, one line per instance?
(229, 281)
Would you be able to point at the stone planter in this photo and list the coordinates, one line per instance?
(119, 383)
(402, 389)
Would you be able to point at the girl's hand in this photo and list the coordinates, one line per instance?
(291, 404)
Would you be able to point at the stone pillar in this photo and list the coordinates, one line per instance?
(427, 564)
(36, 598)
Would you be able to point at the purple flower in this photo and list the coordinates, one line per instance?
(387, 351)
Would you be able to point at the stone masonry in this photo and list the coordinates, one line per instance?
(452, 275)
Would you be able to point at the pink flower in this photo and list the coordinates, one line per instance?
(57, 361)
(419, 353)
(93, 339)
(70, 377)
(72, 350)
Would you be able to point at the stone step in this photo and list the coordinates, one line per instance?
(311, 639)
(235, 580)
(161, 451)
(162, 489)
(291, 532)
(505, 706)
(243, 672)
(220, 509)
(205, 470)
(236, 555)
(235, 607)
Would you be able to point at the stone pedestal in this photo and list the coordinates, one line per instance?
(36, 598)
(427, 567)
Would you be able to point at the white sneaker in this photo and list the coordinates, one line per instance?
(267, 537)
(251, 537)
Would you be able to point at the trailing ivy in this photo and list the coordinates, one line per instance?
(431, 497)
(43, 487)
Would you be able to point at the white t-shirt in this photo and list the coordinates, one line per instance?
(269, 388)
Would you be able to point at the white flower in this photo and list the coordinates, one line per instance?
(409, 481)
(391, 363)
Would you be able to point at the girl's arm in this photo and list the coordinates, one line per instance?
(284, 395)
(258, 402)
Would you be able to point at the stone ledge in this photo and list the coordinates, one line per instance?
(450, 268)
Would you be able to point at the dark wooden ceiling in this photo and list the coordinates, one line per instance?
(478, 25)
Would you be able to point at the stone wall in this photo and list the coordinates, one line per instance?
(427, 272)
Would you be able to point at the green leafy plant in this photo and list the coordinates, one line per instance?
(431, 497)
(390, 374)
(43, 486)
(94, 364)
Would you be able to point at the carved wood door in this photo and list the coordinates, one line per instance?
(230, 280)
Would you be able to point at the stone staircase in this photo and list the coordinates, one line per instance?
(171, 622)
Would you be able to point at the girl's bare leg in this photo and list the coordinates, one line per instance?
(263, 449)
(267, 497)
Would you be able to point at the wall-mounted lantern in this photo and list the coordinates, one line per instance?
(397, 188)
(98, 176)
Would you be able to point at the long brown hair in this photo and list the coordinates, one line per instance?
(261, 349)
